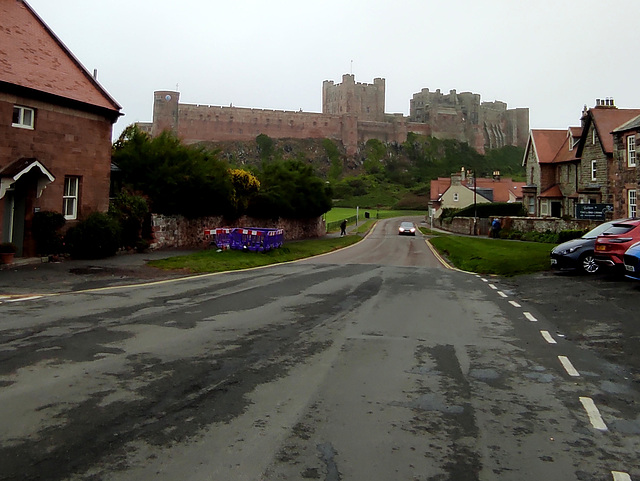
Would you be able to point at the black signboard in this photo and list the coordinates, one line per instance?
(593, 211)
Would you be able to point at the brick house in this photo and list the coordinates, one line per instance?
(55, 128)
(458, 191)
(580, 165)
(625, 176)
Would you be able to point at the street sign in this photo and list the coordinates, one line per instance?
(593, 211)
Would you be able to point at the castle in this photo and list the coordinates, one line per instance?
(352, 113)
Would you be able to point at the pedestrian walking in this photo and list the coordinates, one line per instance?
(495, 228)
(343, 228)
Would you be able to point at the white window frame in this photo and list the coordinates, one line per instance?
(532, 205)
(631, 151)
(26, 117)
(632, 202)
(456, 197)
(594, 170)
(70, 197)
(544, 207)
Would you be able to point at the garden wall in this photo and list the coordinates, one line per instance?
(464, 225)
(180, 232)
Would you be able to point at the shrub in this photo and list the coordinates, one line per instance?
(46, 228)
(95, 237)
(130, 211)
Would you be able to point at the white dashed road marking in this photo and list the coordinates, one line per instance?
(594, 415)
(502, 294)
(492, 286)
(514, 304)
(530, 317)
(547, 337)
(571, 371)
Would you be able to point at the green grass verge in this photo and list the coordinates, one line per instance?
(493, 256)
(211, 260)
(339, 213)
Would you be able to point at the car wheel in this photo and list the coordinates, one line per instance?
(589, 264)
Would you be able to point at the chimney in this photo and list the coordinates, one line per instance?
(95, 74)
(463, 174)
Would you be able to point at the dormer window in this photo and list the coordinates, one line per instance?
(23, 117)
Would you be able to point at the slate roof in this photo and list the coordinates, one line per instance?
(32, 56)
(632, 124)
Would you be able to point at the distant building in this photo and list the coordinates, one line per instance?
(55, 125)
(352, 113)
(461, 190)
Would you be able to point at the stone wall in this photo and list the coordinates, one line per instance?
(180, 232)
(464, 225)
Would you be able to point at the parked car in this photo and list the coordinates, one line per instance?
(613, 243)
(407, 228)
(632, 262)
(577, 254)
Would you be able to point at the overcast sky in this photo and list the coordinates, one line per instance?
(552, 56)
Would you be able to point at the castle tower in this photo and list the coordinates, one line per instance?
(365, 101)
(165, 111)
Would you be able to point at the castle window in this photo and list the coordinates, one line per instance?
(23, 117)
(631, 151)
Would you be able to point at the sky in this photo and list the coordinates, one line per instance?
(552, 56)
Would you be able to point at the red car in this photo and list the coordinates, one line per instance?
(613, 243)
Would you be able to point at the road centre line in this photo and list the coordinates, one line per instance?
(594, 415)
(514, 304)
(502, 294)
(620, 476)
(530, 317)
(493, 287)
(547, 337)
(571, 371)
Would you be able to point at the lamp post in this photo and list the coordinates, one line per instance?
(475, 206)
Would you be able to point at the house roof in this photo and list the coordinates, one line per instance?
(607, 119)
(501, 188)
(567, 151)
(632, 124)
(553, 192)
(546, 143)
(34, 57)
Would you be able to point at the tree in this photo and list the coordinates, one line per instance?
(177, 179)
(290, 189)
(245, 186)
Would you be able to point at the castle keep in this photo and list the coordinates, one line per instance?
(352, 113)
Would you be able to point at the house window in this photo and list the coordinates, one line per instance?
(455, 197)
(70, 198)
(544, 207)
(631, 151)
(23, 117)
(631, 197)
(594, 170)
(532, 205)
(594, 137)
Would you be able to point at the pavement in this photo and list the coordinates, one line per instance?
(33, 276)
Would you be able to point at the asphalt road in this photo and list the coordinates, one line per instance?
(371, 363)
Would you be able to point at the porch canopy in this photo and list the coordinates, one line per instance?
(12, 172)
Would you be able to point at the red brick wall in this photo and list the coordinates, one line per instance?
(68, 143)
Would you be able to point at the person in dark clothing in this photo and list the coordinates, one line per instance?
(495, 228)
(343, 228)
